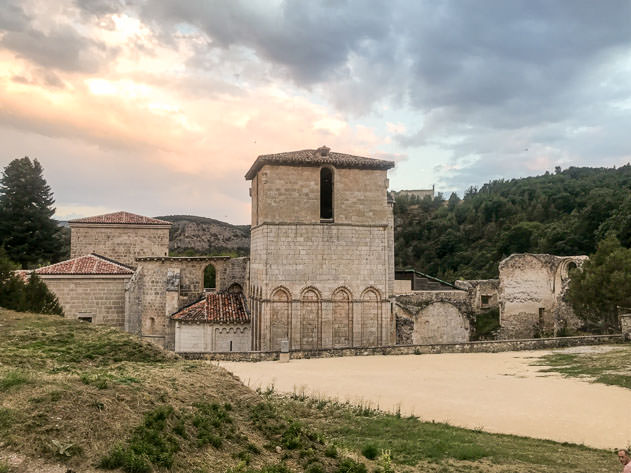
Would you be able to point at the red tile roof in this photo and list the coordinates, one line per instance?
(317, 157)
(91, 264)
(220, 308)
(121, 218)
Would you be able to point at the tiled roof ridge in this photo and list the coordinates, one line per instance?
(222, 307)
(121, 217)
(113, 261)
(73, 266)
(314, 157)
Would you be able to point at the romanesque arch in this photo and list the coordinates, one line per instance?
(310, 319)
(280, 317)
(342, 318)
(235, 288)
(440, 322)
(370, 317)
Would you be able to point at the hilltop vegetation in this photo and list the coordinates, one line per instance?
(96, 399)
(191, 235)
(565, 213)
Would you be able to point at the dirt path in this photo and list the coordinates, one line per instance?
(497, 392)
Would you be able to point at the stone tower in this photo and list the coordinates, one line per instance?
(322, 251)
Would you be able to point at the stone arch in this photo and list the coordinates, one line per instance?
(280, 317)
(440, 322)
(235, 288)
(310, 319)
(370, 317)
(342, 317)
(209, 276)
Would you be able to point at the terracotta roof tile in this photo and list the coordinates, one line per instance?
(121, 218)
(91, 264)
(317, 157)
(220, 308)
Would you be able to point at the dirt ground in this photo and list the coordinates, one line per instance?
(495, 392)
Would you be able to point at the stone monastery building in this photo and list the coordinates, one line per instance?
(320, 273)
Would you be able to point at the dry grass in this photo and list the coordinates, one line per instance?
(611, 367)
(73, 394)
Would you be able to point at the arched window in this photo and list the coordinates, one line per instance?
(326, 194)
(209, 277)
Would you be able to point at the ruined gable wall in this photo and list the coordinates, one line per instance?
(99, 297)
(122, 243)
(532, 295)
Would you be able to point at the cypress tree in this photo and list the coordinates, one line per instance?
(27, 231)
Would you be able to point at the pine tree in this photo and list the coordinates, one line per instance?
(27, 231)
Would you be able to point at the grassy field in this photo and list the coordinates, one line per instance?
(95, 399)
(610, 367)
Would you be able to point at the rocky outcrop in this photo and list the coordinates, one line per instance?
(199, 235)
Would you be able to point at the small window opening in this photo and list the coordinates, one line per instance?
(485, 301)
(209, 277)
(230, 345)
(326, 194)
(85, 318)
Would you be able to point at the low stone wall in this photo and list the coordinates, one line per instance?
(493, 346)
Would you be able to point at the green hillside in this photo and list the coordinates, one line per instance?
(84, 398)
(565, 213)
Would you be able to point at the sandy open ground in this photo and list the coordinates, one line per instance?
(497, 392)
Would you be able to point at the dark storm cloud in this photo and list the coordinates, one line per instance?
(312, 40)
(62, 48)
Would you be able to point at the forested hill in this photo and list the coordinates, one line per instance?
(566, 213)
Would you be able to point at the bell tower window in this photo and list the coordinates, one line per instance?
(326, 194)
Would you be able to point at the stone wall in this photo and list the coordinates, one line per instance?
(100, 297)
(169, 283)
(483, 293)
(433, 317)
(532, 295)
(321, 284)
(133, 303)
(333, 275)
(625, 325)
(291, 194)
(122, 243)
(204, 337)
(494, 346)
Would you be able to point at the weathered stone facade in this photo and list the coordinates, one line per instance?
(121, 242)
(99, 299)
(532, 295)
(321, 282)
(204, 338)
(166, 284)
(433, 317)
(483, 293)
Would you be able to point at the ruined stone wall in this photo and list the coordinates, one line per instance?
(480, 290)
(532, 295)
(433, 317)
(99, 297)
(205, 338)
(122, 243)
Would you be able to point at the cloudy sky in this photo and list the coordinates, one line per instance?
(160, 107)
